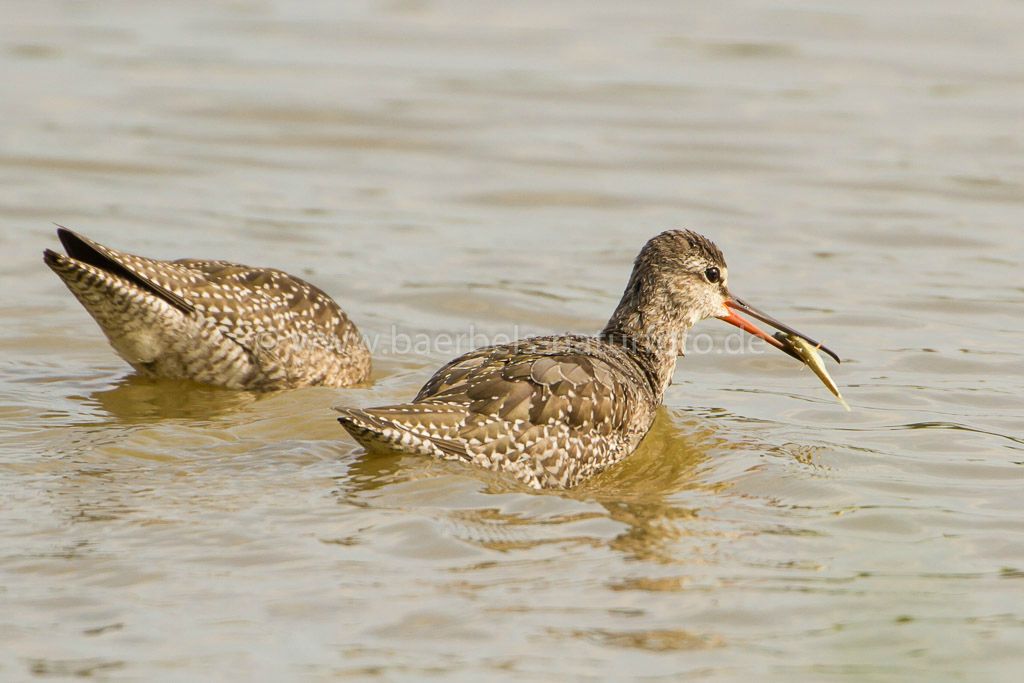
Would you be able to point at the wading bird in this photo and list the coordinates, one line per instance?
(215, 322)
(553, 411)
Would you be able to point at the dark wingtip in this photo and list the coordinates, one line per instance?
(73, 243)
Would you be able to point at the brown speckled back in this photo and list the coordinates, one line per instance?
(213, 321)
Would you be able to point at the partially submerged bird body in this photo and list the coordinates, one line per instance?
(553, 411)
(215, 322)
(550, 411)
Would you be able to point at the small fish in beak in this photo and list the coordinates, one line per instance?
(808, 353)
(788, 340)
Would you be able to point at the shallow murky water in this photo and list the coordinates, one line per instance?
(446, 169)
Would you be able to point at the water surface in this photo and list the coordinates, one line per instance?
(445, 169)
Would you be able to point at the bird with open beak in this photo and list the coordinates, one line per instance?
(553, 411)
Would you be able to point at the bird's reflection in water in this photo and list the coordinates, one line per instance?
(142, 399)
(369, 472)
(646, 493)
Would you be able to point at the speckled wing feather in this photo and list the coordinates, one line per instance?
(213, 321)
(551, 410)
(275, 316)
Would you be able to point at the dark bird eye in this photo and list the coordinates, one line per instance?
(712, 274)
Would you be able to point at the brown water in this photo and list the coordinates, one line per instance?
(446, 168)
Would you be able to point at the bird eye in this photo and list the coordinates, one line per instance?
(712, 274)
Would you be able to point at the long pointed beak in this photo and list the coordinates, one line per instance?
(735, 304)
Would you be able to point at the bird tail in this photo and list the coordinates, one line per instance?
(419, 428)
(90, 266)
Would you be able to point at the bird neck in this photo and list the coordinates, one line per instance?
(652, 328)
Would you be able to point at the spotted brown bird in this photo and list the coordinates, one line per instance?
(215, 322)
(553, 411)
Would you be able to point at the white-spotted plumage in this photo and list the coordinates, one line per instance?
(553, 411)
(215, 322)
